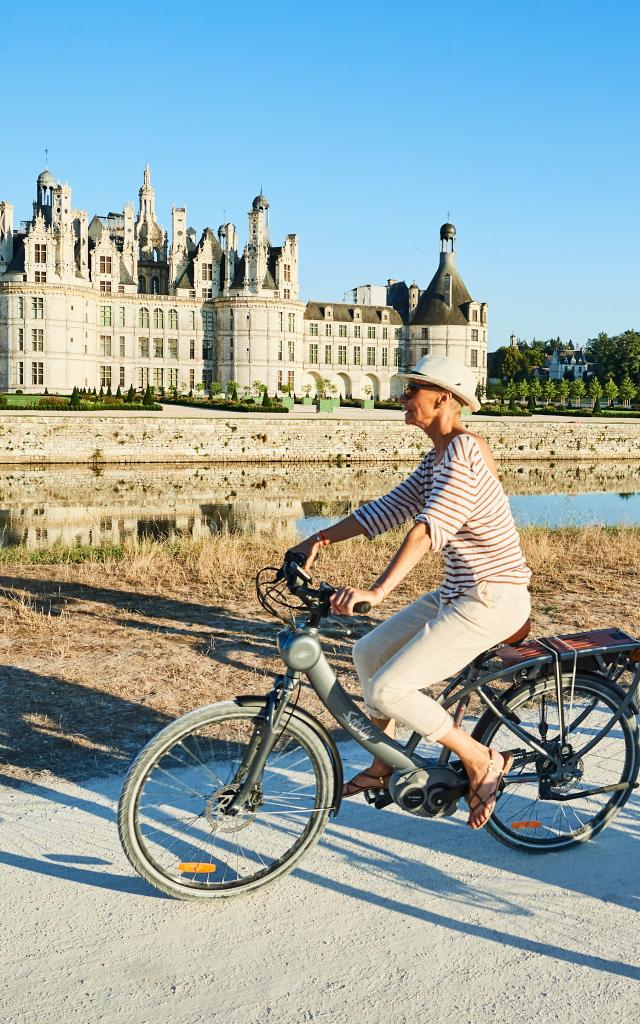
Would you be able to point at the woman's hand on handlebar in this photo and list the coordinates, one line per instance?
(308, 548)
(343, 600)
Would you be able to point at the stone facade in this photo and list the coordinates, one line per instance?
(113, 302)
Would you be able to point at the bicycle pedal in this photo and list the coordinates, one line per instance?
(378, 799)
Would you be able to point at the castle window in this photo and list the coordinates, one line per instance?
(287, 293)
(424, 333)
(173, 348)
(280, 350)
(291, 322)
(328, 329)
(207, 293)
(40, 253)
(143, 317)
(356, 355)
(105, 264)
(207, 271)
(143, 377)
(105, 316)
(474, 314)
(385, 356)
(313, 352)
(122, 347)
(20, 339)
(424, 351)
(281, 320)
(105, 376)
(158, 377)
(142, 285)
(40, 277)
(371, 332)
(356, 331)
(287, 272)
(37, 373)
(173, 319)
(158, 348)
(291, 380)
(396, 357)
(474, 357)
(371, 355)
(474, 334)
(121, 316)
(158, 319)
(313, 330)
(291, 348)
(192, 379)
(173, 378)
(342, 330)
(121, 382)
(193, 319)
(192, 349)
(342, 355)
(37, 308)
(20, 373)
(20, 308)
(143, 348)
(37, 340)
(105, 345)
(155, 286)
(328, 357)
(385, 333)
(105, 286)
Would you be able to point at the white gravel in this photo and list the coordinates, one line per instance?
(391, 919)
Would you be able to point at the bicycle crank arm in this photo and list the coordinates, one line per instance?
(617, 788)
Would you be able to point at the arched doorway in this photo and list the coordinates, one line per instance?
(343, 380)
(372, 382)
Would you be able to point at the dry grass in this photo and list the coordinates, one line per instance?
(101, 648)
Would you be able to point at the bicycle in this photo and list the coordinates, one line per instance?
(231, 796)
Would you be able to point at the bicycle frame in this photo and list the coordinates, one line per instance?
(302, 653)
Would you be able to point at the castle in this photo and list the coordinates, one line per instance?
(112, 302)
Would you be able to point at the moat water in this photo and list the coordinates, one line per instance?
(76, 504)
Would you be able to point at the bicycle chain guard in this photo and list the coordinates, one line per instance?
(430, 792)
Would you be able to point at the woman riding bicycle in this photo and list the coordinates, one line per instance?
(459, 507)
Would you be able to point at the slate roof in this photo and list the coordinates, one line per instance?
(398, 297)
(186, 278)
(432, 309)
(342, 312)
(125, 276)
(17, 263)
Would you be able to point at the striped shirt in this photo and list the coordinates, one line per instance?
(466, 511)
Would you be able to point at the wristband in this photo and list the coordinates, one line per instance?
(322, 539)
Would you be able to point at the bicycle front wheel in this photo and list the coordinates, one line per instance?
(530, 817)
(172, 820)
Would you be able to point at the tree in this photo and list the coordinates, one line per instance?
(232, 390)
(549, 391)
(480, 391)
(74, 401)
(131, 395)
(611, 391)
(509, 363)
(118, 392)
(576, 390)
(510, 393)
(594, 390)
(562, 391)
(522, 390)
(535, 391)
(147, 401)
(627, 391)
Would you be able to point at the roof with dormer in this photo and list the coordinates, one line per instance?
(343, 312)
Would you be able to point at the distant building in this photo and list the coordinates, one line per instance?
(114, 302)
(568, 362)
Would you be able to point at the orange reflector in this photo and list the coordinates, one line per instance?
(196, 868)
(526, 824)
(635, 654)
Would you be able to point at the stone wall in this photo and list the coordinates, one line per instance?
(95, 438)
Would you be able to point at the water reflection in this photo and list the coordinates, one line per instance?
(75, 504)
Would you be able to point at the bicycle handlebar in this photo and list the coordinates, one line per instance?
(298, 580)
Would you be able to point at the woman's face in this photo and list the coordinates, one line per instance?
(421, 404)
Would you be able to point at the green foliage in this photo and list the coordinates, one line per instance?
(577, 390)
(147, 401)
(616, 357)
(3, 401)
(74, 402)
(131, 395)
(118, 392)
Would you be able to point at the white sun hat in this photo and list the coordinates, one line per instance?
(449, 374)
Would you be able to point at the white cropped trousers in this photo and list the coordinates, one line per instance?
(428, 642)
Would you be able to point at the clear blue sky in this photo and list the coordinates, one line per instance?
(365, 123)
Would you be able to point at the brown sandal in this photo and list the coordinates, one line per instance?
(353, 787)
(489, 800)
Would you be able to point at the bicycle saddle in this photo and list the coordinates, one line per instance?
(520, 635)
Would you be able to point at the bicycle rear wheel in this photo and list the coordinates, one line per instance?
(171, 815)
(525, 816)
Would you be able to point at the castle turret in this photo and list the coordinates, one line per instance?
(6, 235)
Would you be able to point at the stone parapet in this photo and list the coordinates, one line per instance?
(49, 438)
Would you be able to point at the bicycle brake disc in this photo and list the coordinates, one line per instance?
(430, 792)
(219, 801)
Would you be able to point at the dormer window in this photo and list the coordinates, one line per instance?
(105, 264)
(40, 253)
(328, 312)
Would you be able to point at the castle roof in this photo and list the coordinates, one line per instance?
(432, 308)
(343, 312)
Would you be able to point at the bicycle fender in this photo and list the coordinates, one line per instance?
(260, 700)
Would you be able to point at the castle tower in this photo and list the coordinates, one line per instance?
(6, 235)
(257, 248)
(446, 320)
(43, 202)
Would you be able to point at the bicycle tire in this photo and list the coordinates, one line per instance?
(147, 818)
(548, 818)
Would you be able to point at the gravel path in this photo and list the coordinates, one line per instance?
(391, 919)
